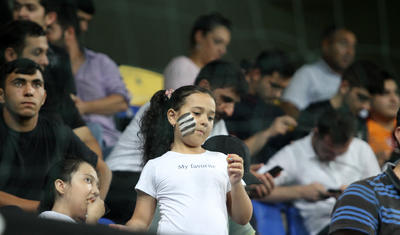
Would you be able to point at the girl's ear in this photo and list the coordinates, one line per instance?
(172, 116)
(60, 186)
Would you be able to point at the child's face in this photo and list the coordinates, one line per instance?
(202, 107)
(82, 190)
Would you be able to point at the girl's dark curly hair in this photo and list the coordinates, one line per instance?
(156, 132)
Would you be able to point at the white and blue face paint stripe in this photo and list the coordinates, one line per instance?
(186, 124)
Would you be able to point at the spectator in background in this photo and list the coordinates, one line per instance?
(26, 39)
(209, 39)
(382, 119)
(101, 92)
(320, 80)
(44, 13)
(85, 12)
(360, 82)
(257, 117)
(30, 143)
(328, 158)
(370, 206)
(22, 38)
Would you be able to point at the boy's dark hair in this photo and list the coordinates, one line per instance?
(222, 74)
(206, 23)
(21, 66)
(365, 74)
(156, 132)
(14, 34)
(270, 61)
(338, 125)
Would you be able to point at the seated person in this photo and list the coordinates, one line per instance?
(85, 12)
(321, 79)
(29, 143)
(101, 93)
(27, 39)
(328, 158)
(359, 82)
(257, 117)
(370, 206)
(382, 119)
(71, 192)
(209, 38)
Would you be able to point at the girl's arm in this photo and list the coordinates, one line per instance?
(144, 212)
(238, 202)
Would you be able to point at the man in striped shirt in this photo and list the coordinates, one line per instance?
(372, 205)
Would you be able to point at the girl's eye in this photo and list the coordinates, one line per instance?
(211, 118)
(196, 113)
(88, 180)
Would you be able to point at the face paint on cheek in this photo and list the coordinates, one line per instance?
(186, 124)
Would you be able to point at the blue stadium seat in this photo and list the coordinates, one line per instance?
(269, 217)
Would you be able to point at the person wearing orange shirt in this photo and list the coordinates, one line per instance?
(382, 120)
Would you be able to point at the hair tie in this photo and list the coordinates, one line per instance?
(169, 92)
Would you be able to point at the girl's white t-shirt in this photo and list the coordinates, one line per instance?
(191, 192)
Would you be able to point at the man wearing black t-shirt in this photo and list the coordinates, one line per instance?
(258, 118)
(26, 39)
(361, 80)
(29, 144)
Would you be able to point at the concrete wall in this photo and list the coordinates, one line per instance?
(148, 33)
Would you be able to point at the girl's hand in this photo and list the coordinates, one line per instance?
(95, 210)
(235, 168)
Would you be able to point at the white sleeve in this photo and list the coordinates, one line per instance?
(285, 159)
(298, 90)
(126, 152)
(178, 73)
(147, 180)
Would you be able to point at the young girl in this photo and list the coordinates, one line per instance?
(195, 189)
(72, 193)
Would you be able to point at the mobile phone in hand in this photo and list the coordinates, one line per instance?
(334, 191)
(275, 171)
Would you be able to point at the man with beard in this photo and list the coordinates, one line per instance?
(321, 80)
(101, 93)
